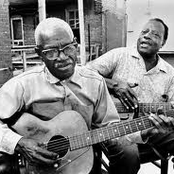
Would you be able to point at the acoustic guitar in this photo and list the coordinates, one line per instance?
(67, 135)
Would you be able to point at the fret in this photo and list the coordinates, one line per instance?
(106, 133)
(73, 142)
(121, 129)
(83, 140)
(127, 127)
(142, 120)
(121, 108)
(133, 126)
(80, 141)
(94, 136)
(115, 131)
(146, 122)
(139, 124)
(153, 107)
(88, 138)
(102, 135)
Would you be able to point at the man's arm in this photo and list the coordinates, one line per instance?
(12, 100)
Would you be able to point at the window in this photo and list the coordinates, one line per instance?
(72, 17)
(17, 32)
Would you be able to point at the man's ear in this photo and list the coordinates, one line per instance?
(38, 50)
(163, 43)
(75, 41)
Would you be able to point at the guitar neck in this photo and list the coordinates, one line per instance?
(144, 107)
(109, 132)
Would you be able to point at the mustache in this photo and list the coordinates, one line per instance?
(63, 63)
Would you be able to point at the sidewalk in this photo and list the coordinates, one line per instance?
(150, 168)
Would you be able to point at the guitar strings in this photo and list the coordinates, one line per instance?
(80, 135)
(53, 144)
(146, 106)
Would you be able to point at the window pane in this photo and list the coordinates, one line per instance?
(71, 15)
(71, 23)
(77, 15)
(17, 29)
(77, 24)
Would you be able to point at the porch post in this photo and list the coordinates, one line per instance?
(82, 33)
(42, 9)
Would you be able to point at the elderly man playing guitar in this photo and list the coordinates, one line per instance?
(54, 113)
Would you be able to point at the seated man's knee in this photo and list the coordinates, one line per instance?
(131, 154)
(5, 169)
(118, 151)
(6, 166)
(123, 159)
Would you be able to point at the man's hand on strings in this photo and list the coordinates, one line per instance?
(35, 153)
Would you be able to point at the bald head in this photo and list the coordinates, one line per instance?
(52, 26)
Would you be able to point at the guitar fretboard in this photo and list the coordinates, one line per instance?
(108, 132)
(144, 107)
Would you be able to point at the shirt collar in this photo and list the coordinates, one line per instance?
(75, 78)
(160, 65)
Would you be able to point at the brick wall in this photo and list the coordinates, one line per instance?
(113, 24)
(5, 43)
(29, 28)
(93, 22)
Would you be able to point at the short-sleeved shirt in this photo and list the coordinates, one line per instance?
(126, 63)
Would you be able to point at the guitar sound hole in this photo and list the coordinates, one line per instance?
(59, 145)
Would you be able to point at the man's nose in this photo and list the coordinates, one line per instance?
(148, 35)
(62, 56)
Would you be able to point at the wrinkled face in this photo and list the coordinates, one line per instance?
(59, 54)
(151, 38)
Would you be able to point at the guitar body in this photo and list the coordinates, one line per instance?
(67, 135)
(65, 124)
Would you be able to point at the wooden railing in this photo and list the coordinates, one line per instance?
(91, 53)
(24, 57)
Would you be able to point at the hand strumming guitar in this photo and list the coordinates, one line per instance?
(123, 91)
(35, 153)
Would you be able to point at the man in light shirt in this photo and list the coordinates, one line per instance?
(139, 75)
(56, 89)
